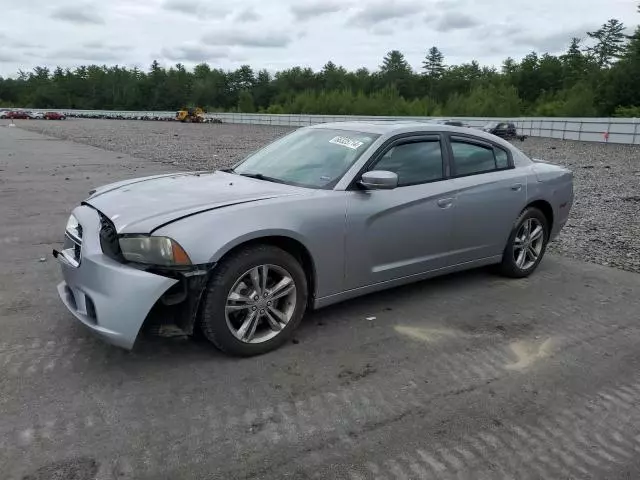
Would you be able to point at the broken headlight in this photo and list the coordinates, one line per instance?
(161, 251)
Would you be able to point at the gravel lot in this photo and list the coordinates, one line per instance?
(539, 380)
(604, 227)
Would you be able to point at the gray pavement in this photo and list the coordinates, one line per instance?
(468, 376)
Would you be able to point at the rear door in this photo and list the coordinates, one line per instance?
(407, 230)
(490, 194)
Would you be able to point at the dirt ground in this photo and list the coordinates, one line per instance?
(469, 376)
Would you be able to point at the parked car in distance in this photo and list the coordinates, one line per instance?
(35, 115)
(18, 114)
(324, 214)
(452, 123)
(54, 116)
(506, 130)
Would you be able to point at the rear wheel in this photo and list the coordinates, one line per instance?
(527, 244)
(254, 301)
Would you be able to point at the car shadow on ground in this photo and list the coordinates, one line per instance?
(349, 313)
(364, 334)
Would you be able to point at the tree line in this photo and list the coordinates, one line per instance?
(599, 77)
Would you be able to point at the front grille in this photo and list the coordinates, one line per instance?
(109, 240)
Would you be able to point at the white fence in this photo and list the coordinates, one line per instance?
(619, 130)
(605, 130)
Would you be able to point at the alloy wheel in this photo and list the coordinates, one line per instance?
(261, 303)
(528, 243)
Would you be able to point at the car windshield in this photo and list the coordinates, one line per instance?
(310, 157)
(491, 125)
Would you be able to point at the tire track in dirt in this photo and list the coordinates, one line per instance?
(602, 433)
(338, 413)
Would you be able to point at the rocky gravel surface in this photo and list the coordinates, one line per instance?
(604, 227)
(188, 145)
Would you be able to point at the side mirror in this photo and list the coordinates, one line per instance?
(379, 180)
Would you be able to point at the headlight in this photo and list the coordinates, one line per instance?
(73, 227)
(154, 251)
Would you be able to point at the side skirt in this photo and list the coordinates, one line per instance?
(357, 292)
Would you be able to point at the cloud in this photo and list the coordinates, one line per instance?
(193, 53)
(348, 32)
(549, 43)
(244, 38)
(79, 14)
(449, 4)
(23, 44)
(381, 11)
(316, 8)
(91, 55)
(247, 15)
(6, 57)
(454, 21)
(98, 45)
(382, 30)
(93, 44)
(196, 8)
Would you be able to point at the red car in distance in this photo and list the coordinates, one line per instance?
(18, 115)
(54, 116)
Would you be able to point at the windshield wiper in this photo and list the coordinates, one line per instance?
(260, 176)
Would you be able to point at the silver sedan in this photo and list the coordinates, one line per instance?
(321, 215)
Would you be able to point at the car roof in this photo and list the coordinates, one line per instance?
(395, 127)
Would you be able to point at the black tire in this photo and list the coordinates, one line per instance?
(213, 322)
(509, 267)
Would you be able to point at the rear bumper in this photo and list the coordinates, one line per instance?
(563, 211)
(109, 298)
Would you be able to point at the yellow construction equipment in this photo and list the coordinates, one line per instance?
(190, 115)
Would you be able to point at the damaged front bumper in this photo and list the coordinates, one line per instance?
(113, 299)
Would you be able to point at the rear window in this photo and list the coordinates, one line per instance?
(472, 158)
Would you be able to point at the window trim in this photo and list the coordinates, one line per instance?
(402, 139)
(480, 142)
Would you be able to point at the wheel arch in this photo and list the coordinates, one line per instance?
(546, 209)
(289, 244)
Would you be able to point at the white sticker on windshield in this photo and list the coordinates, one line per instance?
(347, 142)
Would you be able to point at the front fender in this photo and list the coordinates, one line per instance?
(318, 224)
(256, 235)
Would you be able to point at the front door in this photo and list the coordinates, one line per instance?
(405, 231)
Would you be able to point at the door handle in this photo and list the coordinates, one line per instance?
(445, 202)
(517, 187)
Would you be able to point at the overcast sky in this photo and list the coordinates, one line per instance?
(277, 34)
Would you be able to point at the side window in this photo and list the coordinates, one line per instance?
(415, 162)
(469, 158)
(502, 159)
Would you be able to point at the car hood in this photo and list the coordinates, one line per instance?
(145, 204)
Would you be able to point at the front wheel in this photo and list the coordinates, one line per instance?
(254, 301)
(526, 245)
